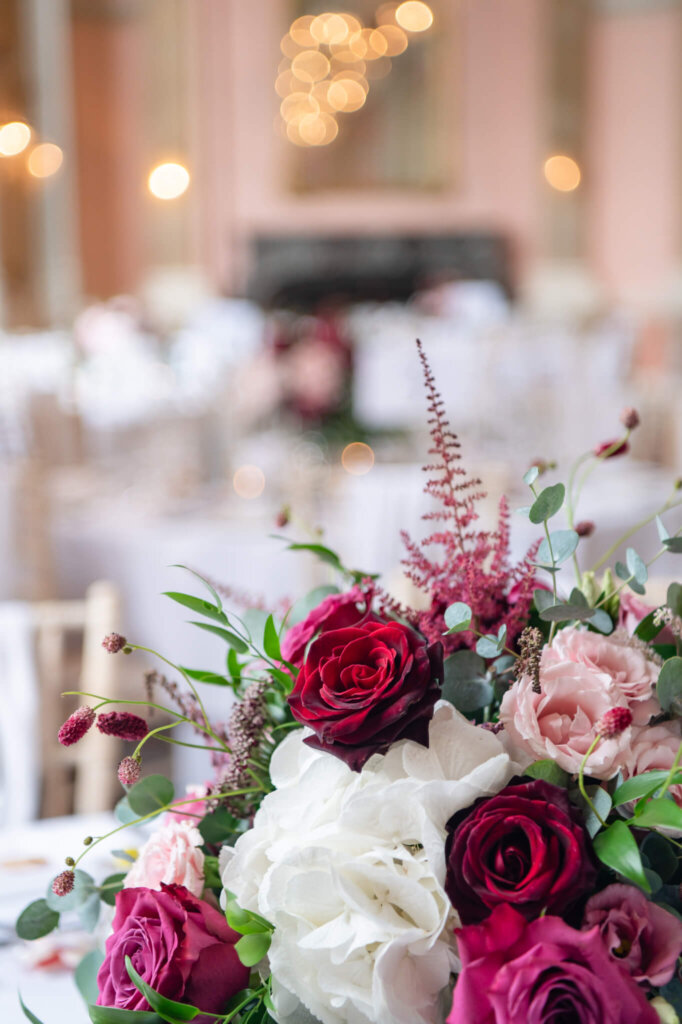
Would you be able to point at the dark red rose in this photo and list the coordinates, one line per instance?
(544, 972)
(179, 945)
(364, 687)
(335, 612)
(526, 846)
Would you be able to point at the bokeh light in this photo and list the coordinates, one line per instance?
(249, 482)
(385, 14)
(300, 31)
(346, 95)
(14, 138)
(562, 172)
(396, 40)
(357, 458)
(168, 180)
(310, 66)
(329, 29)
(414, 16)
(44, 160)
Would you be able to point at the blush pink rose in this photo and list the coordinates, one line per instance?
(654, 748)
(560, 721)
(541, 972)
(170, 856)
(643, 938)
(632, 673)
(335, 612)
(190, 812)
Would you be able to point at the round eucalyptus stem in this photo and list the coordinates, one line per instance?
(581, 781)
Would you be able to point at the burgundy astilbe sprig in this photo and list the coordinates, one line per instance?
(458, 561)
(76, 726)
(123, 725)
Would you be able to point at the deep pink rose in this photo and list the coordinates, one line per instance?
(542, 972)
(526, 846)
(335, 612)
(362, 688)
(178, 944)
(643, 938)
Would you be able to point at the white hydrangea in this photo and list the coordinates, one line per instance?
(350, 868)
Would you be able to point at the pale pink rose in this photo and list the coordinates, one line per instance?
(560, 721)
(633, 674)
(654, 749)
(171, 855)
(190, 812)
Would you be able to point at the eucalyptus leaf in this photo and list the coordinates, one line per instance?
(150, 794)
(636, 566)
(88, 912)
(662, 531)
(602, 802)
(83, 888)
(622, 571)
(601, 620)
(124, 812)
(196, 604)
(548, 771)
(254, 619)
(543, 599)
(488, 646)
(36, 920)
(217, 826)
(669, 685)
(458, 617)
(577, 597)
(566, 612)
(531, 475)
(615, 846)
(111, 885)
(547, 504)
(673, 544)
(227, 635)
(563, 542)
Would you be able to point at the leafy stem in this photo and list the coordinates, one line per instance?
(581, 781)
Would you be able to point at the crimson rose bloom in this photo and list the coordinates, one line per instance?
(644, 939)
(526, 846)
(541, 972)
(179, 945)
(364, 687)
(335, 612)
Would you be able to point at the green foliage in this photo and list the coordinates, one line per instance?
(659, 814)
(168, 1009)
(615, 847)
(548, 771)
(196, 604)
(88, 912)
(271, 640)
(114, 1015)
(124, 812)
(563, 542)
(636, 566)
(83, 888)
(490, 646)
(642, 785)
(547, 504)
(150, 794)
(673, 545)
(212, 678)
(227, 635)
(465, 682)
(252, 947)
(457, 617)
(218, 826)
(86, 975)
(110, 886)
(36, 920)
(531, 475)
(669, 685)
(601, 800)
(305, 605)
(28, 1013)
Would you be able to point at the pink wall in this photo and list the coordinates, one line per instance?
(634, 178)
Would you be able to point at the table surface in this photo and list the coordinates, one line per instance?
(30, 857)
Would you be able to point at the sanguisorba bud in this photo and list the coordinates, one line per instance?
(123, 725)
(63, 883)
(76, 726)
(129, 771)
(114, 643)
(585, 528)
(613, 722)
(629, 418)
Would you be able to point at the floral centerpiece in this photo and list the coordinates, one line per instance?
(468, 812)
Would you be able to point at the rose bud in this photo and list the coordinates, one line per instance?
(585, 528)
(629, 418)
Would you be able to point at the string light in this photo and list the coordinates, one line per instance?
(249, 482)
(14, 138)
(562, 172)
(168, 180)
(414, 16)
(45, 160)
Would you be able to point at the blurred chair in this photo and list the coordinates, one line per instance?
(45, 648)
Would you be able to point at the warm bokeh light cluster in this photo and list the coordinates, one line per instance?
(330, 60)
(42, 160)
(562, 172)
(168, 180)
(14, 138)
(357, 458)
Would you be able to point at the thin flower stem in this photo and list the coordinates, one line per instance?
(635, 529)
(155, 732)
(144, 703)
(570, 506)
(662, 551)
(581, 781)
(597, 460)
(675, 765)
(181, 743)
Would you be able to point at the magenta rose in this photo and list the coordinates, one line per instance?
(542, 972)
(643, 938)
(526, 846)
(335, 612)
(178, 944)
(362, 688)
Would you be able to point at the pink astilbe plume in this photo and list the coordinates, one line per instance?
(459, 562)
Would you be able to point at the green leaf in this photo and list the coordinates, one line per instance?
(323, 553)
(88, 912)
(566, 612)
(531, 475)
(457, 617)
(464, 682)
(124, 812)
(661, 855)
(233, 667)
(669, 685)
(602, 802)
(114, 1015)
(305, 605)
(564, 543)
(271, 640)
(543, 599)
(577, 597)
(27, 1013)
(673, 544)
(151, 794)
(110, 886)
(641, 785)
(196, 604)
(636, 566)
(86, 975)
(210, 678)
(252, 948)
(548, 771)
(488, 646)
(646, 630)
(547, 504)
(286, 681)
(674, 598)
(662, 531)
(163, 1006)
(659, 814)
(601, 620)
(83, 888)
(218, 826)
(616, 847)
(254, 620)
(36, 920)
(212, 591)
(225, 634)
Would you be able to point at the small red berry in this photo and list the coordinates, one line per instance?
(613, 722)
